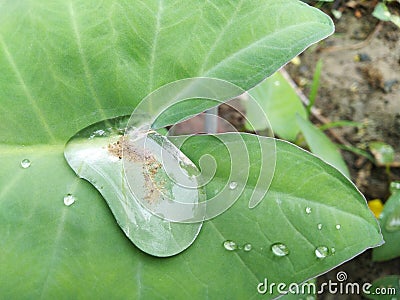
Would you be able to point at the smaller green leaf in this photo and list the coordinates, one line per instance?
(384, 153)
(321, 145)
(386, 288)
(280, 103)
(382, 12)
(390, 224)
(308, 222)
(95, 154)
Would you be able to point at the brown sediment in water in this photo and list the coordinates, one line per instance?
(150, 166)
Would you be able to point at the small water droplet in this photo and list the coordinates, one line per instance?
(319, 226)
(321, 252)
(230, 245)
(338, 226)
(69, 199)
(25, 163)
(247, 247)
(277, 83)
(280, 249)
(333, 250)
(233, 185)
(308, 210)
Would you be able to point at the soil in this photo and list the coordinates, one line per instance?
(360, 81)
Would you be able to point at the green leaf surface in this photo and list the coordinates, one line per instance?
(280, 103)
(385, 288)
(321, 145)
(390, 224)
(79, 251)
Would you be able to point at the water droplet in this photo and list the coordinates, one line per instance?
(247, 247)
(280, 249)
(321, 252)
(25, 163)
(319, 226)
(69, 199)
(333, 250)
(230, 245)
(233, 185)
(277, 83)
(338, 226)
(308, 210)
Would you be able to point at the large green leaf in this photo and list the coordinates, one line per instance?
(78, 251)
(69, 64)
